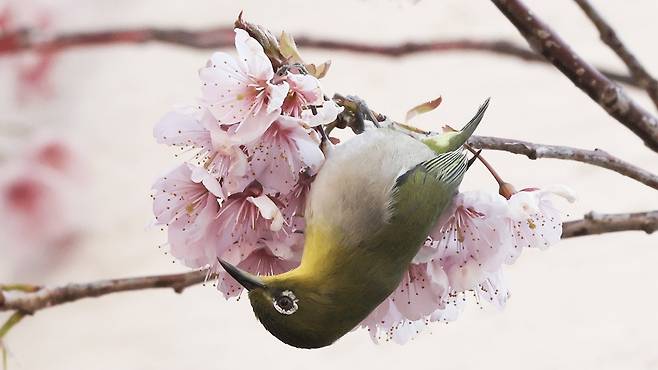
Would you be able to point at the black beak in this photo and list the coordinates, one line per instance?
(247, 280)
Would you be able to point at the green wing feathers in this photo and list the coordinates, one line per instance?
(430, 184)
(419, 197)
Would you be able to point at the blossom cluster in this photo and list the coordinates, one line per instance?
(466, 252)
(241, 195)
(255, 152)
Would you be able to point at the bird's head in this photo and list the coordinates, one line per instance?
(295, 309)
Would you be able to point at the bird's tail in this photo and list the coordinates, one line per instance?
(450, 141)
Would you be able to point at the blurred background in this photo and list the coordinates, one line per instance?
(76, 133)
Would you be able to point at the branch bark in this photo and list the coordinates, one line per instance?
(31, 302)
(596, 157)
(595, 223)
(599, 88)
(610, 38)
(222, 37)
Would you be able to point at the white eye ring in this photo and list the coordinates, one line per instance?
(290, 297)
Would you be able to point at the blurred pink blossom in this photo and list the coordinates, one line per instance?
(20, 19)
(41, 203)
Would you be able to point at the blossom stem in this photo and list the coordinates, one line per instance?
(486, 164)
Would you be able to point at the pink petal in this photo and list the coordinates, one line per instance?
(253, 56)
(182, 128)
(324, 115)
(253, 126)
(268, 210)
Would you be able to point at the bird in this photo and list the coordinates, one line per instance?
(369, 210)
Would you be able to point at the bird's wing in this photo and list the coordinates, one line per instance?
(419, 197)
(443, 172)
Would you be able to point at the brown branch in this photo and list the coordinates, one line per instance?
(596, 223)
(30, 302)
(610, 38)
(599, 88)
(596, 157)
(222, 37)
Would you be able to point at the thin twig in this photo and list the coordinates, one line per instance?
(596, 223)
(610, 38)
(32, 302)
(222, 37)
(596, 157)
(607, 94)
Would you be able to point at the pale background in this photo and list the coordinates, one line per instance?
(587, 303)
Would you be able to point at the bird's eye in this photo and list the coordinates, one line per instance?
(285, 303)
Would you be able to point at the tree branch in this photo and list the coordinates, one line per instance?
(609, 37)
(222, 37)
(595, 223)
(596, 157)
(31, 302)
(599, 88)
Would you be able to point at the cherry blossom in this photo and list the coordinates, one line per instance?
(32, 69)
(304, 91)
(468, 239)
(407, 311)
(191, 128)
(283, 151)
(267, 257)
(535, 221)
(187, 201)
(243, 91)
(42, 204)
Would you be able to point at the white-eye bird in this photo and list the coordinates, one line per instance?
(369, 210)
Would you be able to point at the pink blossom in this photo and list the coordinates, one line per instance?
(241, 91)
(295, 202)
(534, 221)
(32, 69)
(469, 240)
(55, 153)
(33, 205)
(535, 216)
(191, 128)
(187, 201)
(304, 91)
(282, 153)
(42, 203)
(249, 216)
(422, 291)
(269, 257)
(386, 323)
